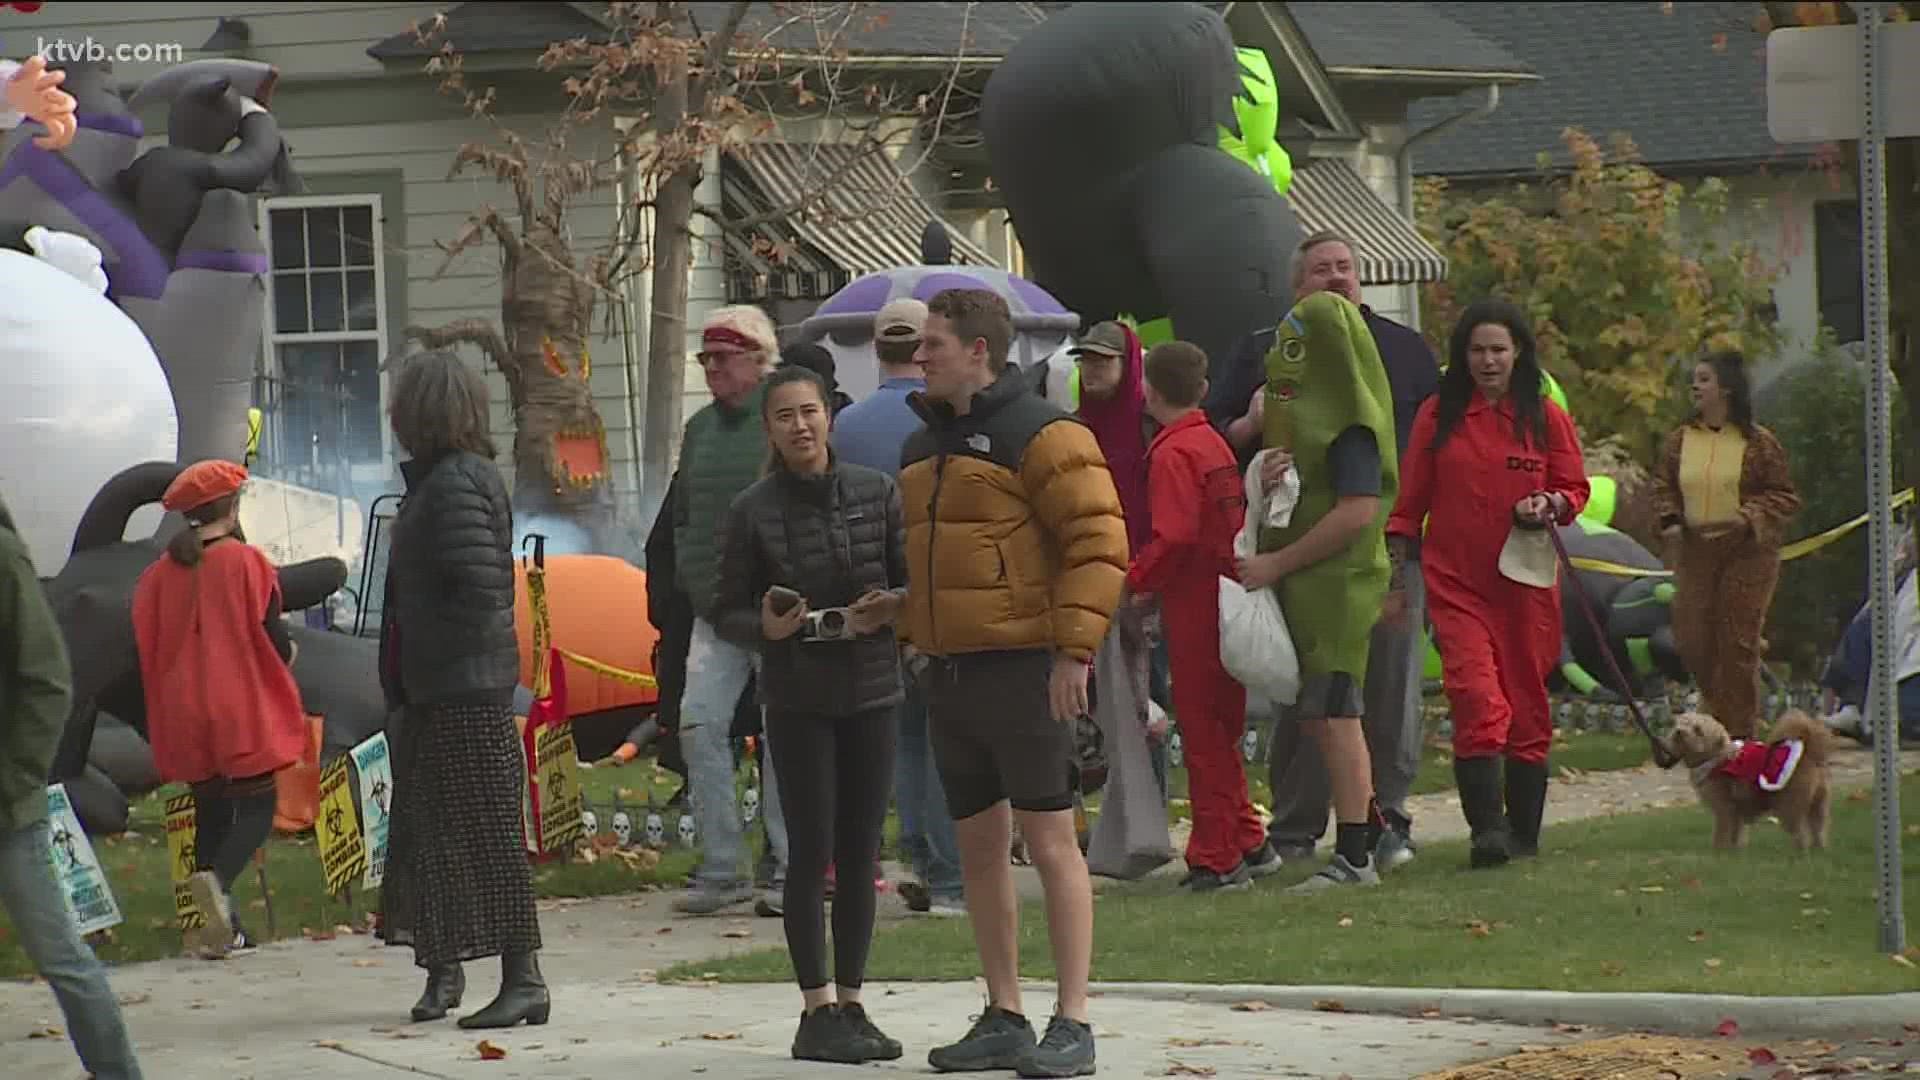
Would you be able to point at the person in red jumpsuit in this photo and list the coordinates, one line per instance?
(1198, 504)
(1488, 453)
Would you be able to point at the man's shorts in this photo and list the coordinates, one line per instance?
(994, 736)
(1328, 696)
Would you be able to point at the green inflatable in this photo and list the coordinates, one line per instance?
(1324, 376)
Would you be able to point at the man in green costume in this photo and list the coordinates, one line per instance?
(1328, 408)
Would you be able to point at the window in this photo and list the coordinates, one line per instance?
(323, 390)
(1836, 239)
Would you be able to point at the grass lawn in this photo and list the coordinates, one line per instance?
(137, 867)
(1631, 903)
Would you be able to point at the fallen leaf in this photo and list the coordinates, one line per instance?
(1345, 922)
(490, 1052)
(46, 1033)
(720, 1036)
(1901, 960)
(1713, 964)
(1697, 935)
(366, 963)
(1760, 1055)
(1181, 1068)
(664, 930)
(738, 934)
(1329, 1005)
(1430, 1014)
(1251, 1006)
(135, 998)
(1189, 1044)
(1653, 888)
(1479, 929)
(1728, 1028)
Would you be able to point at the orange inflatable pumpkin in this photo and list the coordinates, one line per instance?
(597, 607)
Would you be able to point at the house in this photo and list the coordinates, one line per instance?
(1687, 82)
(357, 259)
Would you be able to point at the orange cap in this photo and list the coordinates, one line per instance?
(201, 483)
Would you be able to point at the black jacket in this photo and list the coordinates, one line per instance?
(830, 538)
(446, 626)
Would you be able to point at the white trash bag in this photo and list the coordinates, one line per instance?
(1255, 646)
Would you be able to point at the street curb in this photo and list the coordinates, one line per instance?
(1673, 1014)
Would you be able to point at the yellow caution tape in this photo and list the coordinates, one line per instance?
(542, 635)
(598, 667)
(1797, 550)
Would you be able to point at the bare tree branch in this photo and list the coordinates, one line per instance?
(479, 333)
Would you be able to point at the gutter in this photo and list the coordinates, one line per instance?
(1403, 161)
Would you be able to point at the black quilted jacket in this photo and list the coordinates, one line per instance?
(829, 538)
(446, 626)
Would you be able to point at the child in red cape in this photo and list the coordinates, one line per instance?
(223, 713)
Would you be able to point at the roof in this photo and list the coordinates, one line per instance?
(1328, 194)
(869, 219)
(1366, 39)
(1686, 81)
(918, 30)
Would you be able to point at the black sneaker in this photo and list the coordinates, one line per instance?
(1066, 1051)
(918, 897)
(878, 1046)
(1262, 861)
(1200, 879)
(998, 1040)
(825, 1035)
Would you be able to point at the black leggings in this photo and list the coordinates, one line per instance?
(836, 778)
(231, 820)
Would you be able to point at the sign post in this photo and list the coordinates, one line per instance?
(1860, 82)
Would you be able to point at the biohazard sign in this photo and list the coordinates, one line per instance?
(182, 859)
(83, 884)
(336, 828)
(374, 766)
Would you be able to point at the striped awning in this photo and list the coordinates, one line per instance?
(857, 215)
(1328, 194)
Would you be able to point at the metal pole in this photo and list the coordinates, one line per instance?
(1881, 693)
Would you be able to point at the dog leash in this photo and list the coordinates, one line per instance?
(1663, 756)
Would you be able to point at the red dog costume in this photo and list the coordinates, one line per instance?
(1193, 483)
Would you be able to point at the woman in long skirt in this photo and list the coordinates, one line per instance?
(457, 886)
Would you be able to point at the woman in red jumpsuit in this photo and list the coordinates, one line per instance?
(1489, 452)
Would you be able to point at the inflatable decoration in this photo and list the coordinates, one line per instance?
(843, 324)
(1103, 129)
(597, 609)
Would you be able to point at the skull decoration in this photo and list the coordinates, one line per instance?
(687, 830)
(1176, 752)
(1619, 717)
(656, 829)
(622, 827)
(1565, 714)
(590, 822)
(750, 805)
(1250, 745)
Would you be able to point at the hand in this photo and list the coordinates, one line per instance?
(1535, 509)
(293, 652)
(1157, 723)
(1259, 571)
(1393, 610)
(1067, 688)
(873, 611)
(1273, 467)
(1257, 406)
(781, 627)
(35, 91)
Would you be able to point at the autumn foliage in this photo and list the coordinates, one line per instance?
(1628, 278)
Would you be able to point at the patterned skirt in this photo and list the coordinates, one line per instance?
(458, 885)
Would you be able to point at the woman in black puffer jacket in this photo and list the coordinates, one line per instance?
(457, 884)
(813, 545)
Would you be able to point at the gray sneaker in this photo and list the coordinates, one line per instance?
(1337, 873)
(997, 1040)
(1394, 850)
(708, 899)
(1067, 1050)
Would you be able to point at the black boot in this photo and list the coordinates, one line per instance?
(1526, 804)
(1479, 783)
(523, 995)
(446, 985)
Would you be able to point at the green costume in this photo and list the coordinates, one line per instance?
(1324, 376)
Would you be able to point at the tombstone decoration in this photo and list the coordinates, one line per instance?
(689, 832)
(749, 805)
(622, 828)
(654, 829)
(590, 822)
(1176, 754)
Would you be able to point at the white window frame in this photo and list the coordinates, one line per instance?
(270, 337)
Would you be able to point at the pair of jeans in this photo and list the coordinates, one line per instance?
(30, 891)
(926, 829)
(717, 672)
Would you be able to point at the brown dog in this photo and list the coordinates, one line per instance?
(1741, 780)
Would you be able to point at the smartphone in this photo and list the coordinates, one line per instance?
(784, 599)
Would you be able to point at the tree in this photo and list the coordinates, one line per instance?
(686, 92)
(1623, 274)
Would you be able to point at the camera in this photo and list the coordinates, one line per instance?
(828, 624)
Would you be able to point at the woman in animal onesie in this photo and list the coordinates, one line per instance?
(1329, 408)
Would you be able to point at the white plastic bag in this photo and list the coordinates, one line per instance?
(1255, 646)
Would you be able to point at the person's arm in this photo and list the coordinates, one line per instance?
(475, 562)
(1768, 497)
(1175, 495)
(1566, 466)
(276, 626)
(1668, 508)
(1066, 478)
(36, 682)
(1415, 499)
(1354, 466)
(736, 610)
(896, 539)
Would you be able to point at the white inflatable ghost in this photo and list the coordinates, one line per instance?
(82, 395)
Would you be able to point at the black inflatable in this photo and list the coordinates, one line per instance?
(93, 600)
(1102, 129)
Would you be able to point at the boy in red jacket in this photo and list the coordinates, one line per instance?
(1198, 504)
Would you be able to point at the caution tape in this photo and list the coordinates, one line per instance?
(598, 667)
(1799, 549)
(543, 635)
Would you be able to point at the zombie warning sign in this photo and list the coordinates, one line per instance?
(342, 846)
(557, 798)
(182, 858)
(83, 884)
(374, 767)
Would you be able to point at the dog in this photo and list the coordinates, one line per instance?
(1740, 780)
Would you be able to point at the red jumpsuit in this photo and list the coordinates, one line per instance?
(1498, 639)
(1198, 504)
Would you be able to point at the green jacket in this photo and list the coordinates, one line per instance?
(721, 454)
(35, 686)
(1324, 375)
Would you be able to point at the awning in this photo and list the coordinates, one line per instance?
(858, 215)
(1328, 194)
